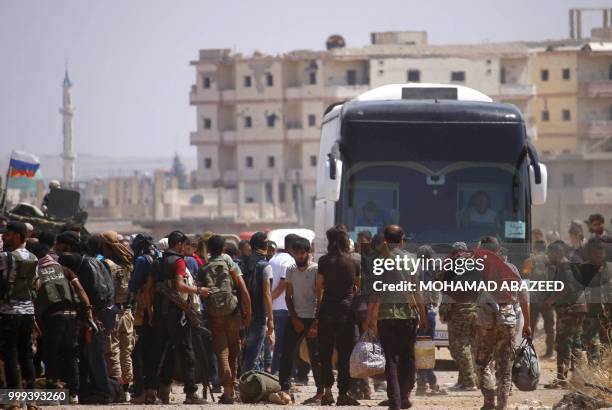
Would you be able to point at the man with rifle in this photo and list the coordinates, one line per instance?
(173, 320)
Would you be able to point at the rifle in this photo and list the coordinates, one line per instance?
(194, 317)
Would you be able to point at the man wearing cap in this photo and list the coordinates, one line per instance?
(257, 275)
(54, 184)
(18, 273)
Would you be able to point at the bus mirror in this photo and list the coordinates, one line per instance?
(332, 163)
(538, 191)
(333, 167)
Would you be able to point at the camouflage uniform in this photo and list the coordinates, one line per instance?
(570, 308)
(497, 323)
(462, 331)
(541, 271)
(495, 343)
(596, 326)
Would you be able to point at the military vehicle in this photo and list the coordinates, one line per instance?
(62, 208)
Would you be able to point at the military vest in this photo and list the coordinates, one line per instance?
(121, 281)
(21, 275)
(54, 288)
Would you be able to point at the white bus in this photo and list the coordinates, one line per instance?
(444, 162)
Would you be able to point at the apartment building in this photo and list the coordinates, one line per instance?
(259, 121)
(258, 117)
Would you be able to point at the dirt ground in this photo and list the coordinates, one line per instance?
(468, 400)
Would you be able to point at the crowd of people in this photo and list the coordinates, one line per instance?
(116, 319)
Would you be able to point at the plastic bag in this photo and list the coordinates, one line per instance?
(425, 353)
(367, 358)
(526, 368)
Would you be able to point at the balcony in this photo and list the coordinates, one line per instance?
(228, 95)
(229, 176)
(228, 137)
(198, 96)
(596, 129)
(596, 89)
(204, 137)
(303, 134)
(304, 91)
(345, 92)
(516, 91)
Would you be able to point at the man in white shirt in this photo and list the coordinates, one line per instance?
(279, 263)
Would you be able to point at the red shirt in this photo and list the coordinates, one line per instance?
(197, 258)
(180, 269)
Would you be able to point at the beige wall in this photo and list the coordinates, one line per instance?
(257, 70)
(554, 62)
(480, 74)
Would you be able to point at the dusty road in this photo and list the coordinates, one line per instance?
(468, 400)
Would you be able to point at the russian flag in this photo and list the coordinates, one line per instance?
(23, 165)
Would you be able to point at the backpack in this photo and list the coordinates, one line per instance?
(526, 369)
(221, 300)
(253, 273)
(255, 386)
(121, 281)
(19, 283)
(54, 289)
(97, 282)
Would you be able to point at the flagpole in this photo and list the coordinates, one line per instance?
(3, 208)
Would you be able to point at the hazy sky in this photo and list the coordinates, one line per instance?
(129, 60)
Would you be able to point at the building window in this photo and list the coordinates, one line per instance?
(207, 123)
(313, 201)
(247, 81)
(208, 163)
(544, 75)
(565, 74)
(502, 75)
(545, 115)
(312, 77)
(610, 73)
(269, 80)
(249, 162)
(458, 76)
(271, 162)
(351, 77)
(282, 195)
(268, 191)
(568, 179)
(312, 120)
(248, 121)
(567, 115)
(271, 120)
(313, 160)
(205, 82)
(414, 76)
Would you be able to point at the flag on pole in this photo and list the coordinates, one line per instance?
(23, 164)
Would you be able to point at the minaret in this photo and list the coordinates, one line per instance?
(67, 111)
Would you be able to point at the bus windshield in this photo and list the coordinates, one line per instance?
(455, 190)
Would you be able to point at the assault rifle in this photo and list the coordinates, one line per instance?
(194, 317)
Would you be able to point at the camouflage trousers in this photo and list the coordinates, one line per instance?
(496, 343)
(120, 346)
(569, 329)
(462, 330)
